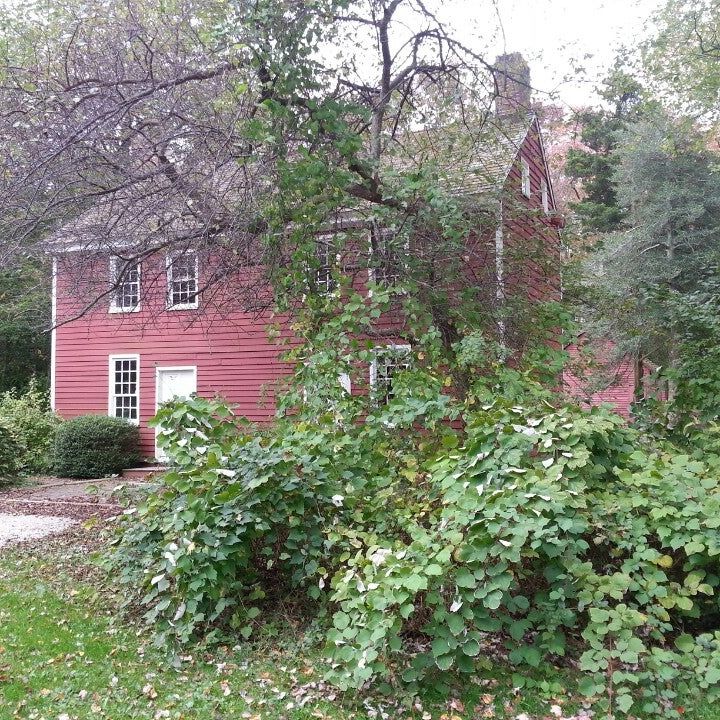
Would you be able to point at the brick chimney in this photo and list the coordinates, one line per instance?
(512, 85)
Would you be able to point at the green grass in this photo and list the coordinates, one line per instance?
(65, 654)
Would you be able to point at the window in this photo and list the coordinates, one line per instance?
(124, 384)
(125, 278)
(326, 261)
(389, 257)
(388, 361)
(182, 274)
(545, 197)
(525, 170)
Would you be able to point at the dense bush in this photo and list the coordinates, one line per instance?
(30, 419)
(556, 529)
(92, 446)
(10, 452)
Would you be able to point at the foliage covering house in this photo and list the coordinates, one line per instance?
(132, 332)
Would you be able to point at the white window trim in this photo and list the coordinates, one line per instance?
(545, 196)
(525, 179)
(345, 382)
(114, 307)
(111, 383)
(53, 337)
(168, 271)
(407, 349)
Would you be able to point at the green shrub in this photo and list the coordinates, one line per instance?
(33, 423)
(92, 446)
(420, 542)
(10, 452)
(557, 530)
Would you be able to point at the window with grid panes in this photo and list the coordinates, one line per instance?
(387, 363)
(125, 277)
(183, 280)
(326, 260)
(124, 399)
(389, 257)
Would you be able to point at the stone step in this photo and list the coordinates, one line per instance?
(143, 473)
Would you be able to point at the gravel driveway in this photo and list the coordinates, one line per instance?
(16, 528)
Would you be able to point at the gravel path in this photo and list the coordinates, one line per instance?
(16, 528)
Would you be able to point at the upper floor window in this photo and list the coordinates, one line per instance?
(525, 180)
(388, 256)
(388, 362)
(182, 278)
(125, 278)
(545, 196)
(326, 260)
(124, 384)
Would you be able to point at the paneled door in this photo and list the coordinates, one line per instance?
(172, 383)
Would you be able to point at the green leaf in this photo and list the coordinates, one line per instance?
(456, 623)
(341, 620)
(444, 662)
(465, 579)
(471, 648)
(588, 687)
(624, 702)
(685, 643)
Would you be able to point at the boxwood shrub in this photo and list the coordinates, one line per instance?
(91, 446)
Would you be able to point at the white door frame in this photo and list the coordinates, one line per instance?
(168, 368)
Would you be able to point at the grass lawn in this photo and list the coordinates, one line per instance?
(64, 655)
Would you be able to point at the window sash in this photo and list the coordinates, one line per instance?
(388, 360)
(182, 281)
(125, 276)
(326, 258)
(525, 170)
(388, 260)
(545, 197)
(124, 387)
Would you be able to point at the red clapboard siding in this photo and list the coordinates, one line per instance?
(610, 381)
(531, 242)
(231, 349)
(232, 352)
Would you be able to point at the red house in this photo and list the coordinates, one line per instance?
(157, 334)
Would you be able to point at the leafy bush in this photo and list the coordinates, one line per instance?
(419, 527)
(10, 452)
(557, 530)
(32, 422)
(92, 446)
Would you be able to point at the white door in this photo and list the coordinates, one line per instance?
(172, 383)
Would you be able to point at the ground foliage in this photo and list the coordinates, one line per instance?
(65, 652)
(415, 538)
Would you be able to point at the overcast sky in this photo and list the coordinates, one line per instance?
(555, 35)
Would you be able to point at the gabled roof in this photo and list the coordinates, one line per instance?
(467, 161)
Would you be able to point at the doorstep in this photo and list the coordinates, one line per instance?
(143, 473)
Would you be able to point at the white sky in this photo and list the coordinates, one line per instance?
(554, 36)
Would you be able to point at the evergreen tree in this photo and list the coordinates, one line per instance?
(668, 187)
(599, 210)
